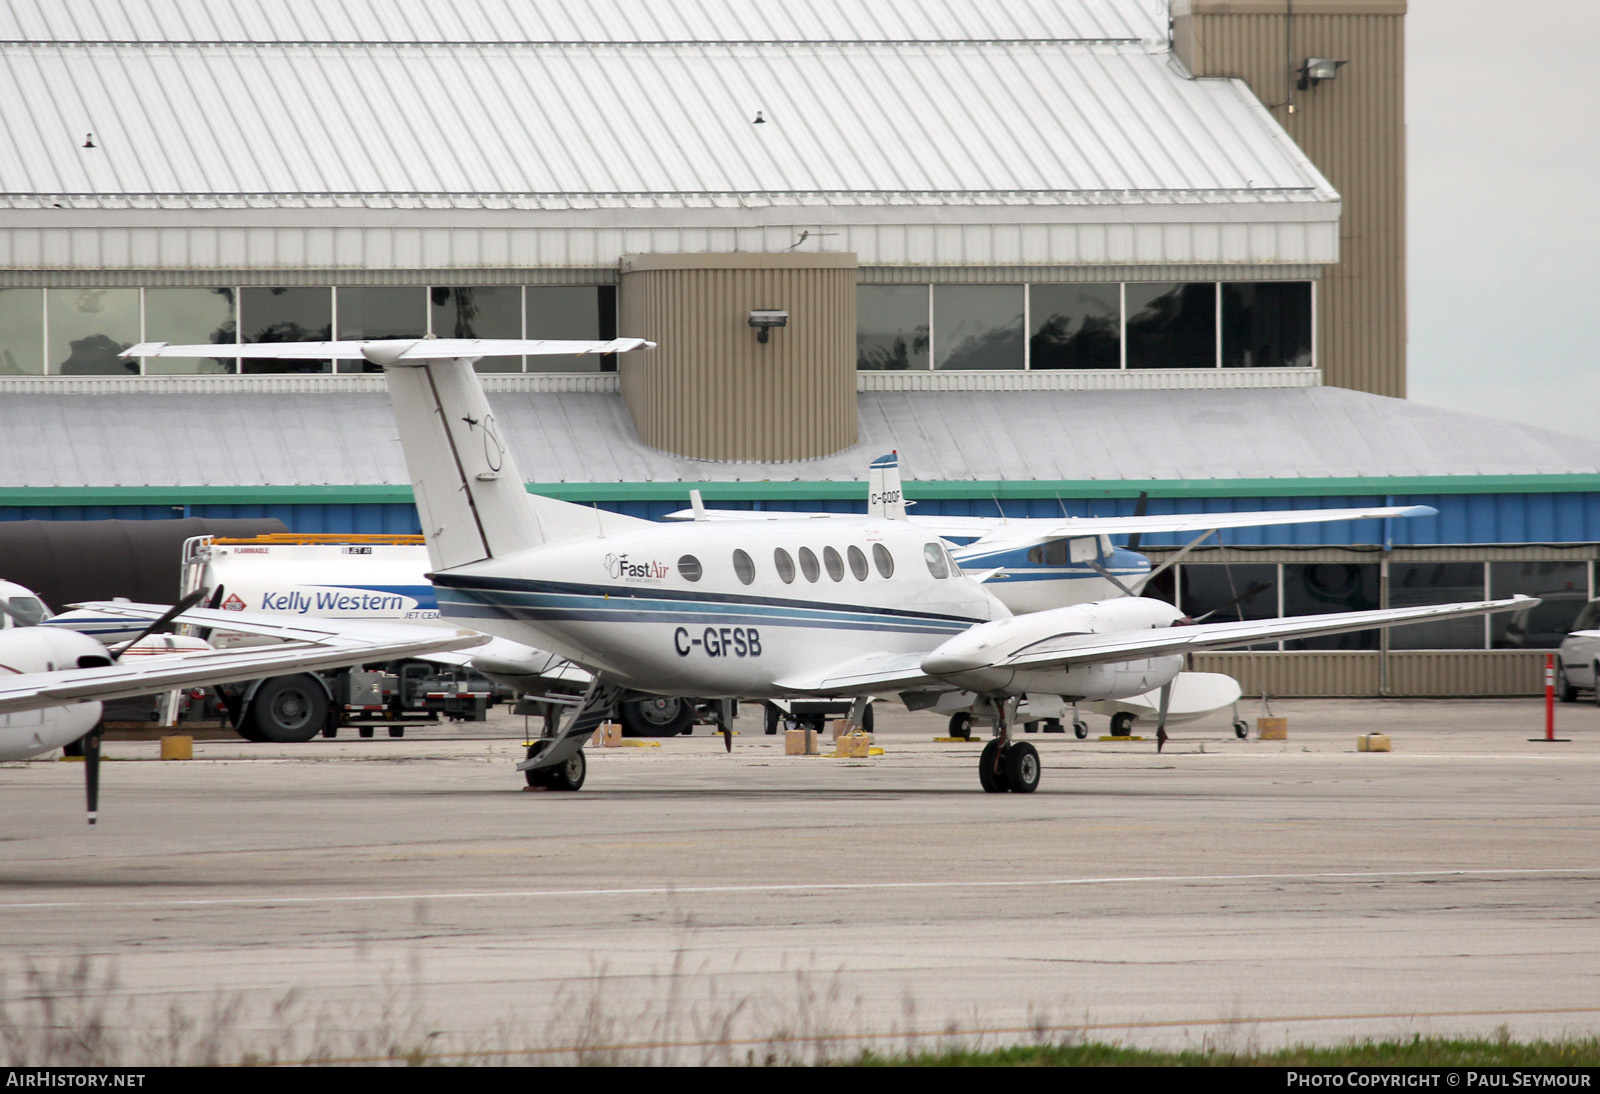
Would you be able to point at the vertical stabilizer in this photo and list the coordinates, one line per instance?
(885, 498)
(470, 495)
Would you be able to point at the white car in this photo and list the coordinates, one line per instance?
(1578, 660)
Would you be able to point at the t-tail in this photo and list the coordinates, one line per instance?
(885, 498)
(470, 496)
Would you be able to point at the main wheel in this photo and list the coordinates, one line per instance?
(1122, 724)
(659, 717)
(1022, 768)
(1241, 729)
(569, 775)
(289, 708)
(961, 725)
(991, 771)
(1564, 689)
(1080, 729)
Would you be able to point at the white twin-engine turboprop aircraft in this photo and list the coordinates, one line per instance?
(766, 610)
(52, 682)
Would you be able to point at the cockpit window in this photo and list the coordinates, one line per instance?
(689, 567)
(23, 611)
(933, 555)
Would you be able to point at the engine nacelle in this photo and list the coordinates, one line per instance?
(36, 649)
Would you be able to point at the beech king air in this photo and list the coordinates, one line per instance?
(52, 682)
(769, 610)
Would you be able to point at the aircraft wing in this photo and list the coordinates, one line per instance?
(350, 644)
(421, 349)
(1067, 650)
(876, 671)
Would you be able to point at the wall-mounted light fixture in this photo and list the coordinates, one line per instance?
(764, 319)
(1314, 70)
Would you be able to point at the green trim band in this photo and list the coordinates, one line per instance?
(818, 491)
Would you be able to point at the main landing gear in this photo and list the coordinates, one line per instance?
(1005, 764)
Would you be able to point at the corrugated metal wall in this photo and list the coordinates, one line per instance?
(1353, 129)
(1412, 673)
(711, 391)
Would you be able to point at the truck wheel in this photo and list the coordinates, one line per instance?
(772, 718)
(288, 708)
(659, 717)
(1122, 724)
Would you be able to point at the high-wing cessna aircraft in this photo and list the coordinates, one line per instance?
(52, 682)
(775, 609)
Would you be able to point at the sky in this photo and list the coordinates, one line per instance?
(1503, 207)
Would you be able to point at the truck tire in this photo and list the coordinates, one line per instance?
(660, 717)
(287, 708)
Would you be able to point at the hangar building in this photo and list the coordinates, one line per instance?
(1056, 254)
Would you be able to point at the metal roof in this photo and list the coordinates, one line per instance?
(53, 441)
(628, 116)
(588, 21)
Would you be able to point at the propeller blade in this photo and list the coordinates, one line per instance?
(167, 617)
(204, 633)
(91, 769)
(1138, 511)
(727, 739)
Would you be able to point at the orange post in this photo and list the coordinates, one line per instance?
(1549, 696)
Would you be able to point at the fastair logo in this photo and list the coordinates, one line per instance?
(233, 604)
(621, 567)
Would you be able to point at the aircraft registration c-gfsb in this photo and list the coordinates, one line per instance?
(848, 606)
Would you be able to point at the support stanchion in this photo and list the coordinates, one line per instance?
(1549, 702)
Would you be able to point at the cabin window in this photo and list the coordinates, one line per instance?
(835, 564)
(1053, 553)
(785, 565)
(933, 555)
(744, 567)
(884, 560)
(808, 564)
(858, 562)
(689, 567)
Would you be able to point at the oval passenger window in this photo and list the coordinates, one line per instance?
(689, 567)
(785, 565)
(858, 562)
(883, 559)
(835, 564)
(744, 567)
(808, 564)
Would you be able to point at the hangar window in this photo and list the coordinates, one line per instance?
(743, 567)
(191, 317)
(808, 564)
(571, 311)
(1266, 324)
(883, 560)
(977, 327)
(285, 315)
(1075, 326)
(379, 312)
(21, 332)
(1563, 589)
(689, 567)
(1317, 587)
(858, 562)
(1417, 583)
(479, 311)
(87, 328)
(1171, 326)
(784, 564)
(933, 555)
(892, 327)
(835, 564)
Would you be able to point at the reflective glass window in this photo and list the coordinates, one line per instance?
(744, 567)
(380, 312)
(689, 567)
(1563, 588)
(883, 560)
(87, 328)
(784, 565)
(933, 555)
(493, 311)
(1318, 587)
(977, 327)
(835, 564)
(808, 564)
(190, 317)
(1416, 583)
(24, 611)
(21, 332)
(892, 327)
(1266, 324)
(571, 311)
(1172, 326)
(1235, 591)
(285, 315)
(858, 563)
(1075, 326)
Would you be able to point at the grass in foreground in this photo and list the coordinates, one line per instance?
(1499, 1051)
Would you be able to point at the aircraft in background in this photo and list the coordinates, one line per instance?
(54, 681)
(855, 606)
